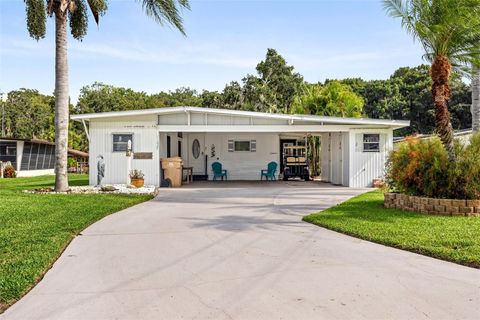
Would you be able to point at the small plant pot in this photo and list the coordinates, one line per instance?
(138, 183)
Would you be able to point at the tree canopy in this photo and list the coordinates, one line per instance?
(404, 95)
(333, 99)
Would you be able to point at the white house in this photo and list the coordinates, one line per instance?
(353, 152)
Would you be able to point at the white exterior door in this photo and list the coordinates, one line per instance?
(196, 152)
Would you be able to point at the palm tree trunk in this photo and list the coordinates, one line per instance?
(476, 99)
(440, 73)
(61, 101)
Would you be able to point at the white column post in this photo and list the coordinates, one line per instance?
(129, 160)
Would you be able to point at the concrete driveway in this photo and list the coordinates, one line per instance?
(241, 251)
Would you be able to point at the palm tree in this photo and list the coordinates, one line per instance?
(76, 13)
(449, 32)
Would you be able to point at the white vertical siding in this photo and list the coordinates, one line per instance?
(366, 166)
(243, 165)
(145, 139)
(336, 164)
(345, 158)
(325, 145)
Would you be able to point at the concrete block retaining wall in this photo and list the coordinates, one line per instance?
(447, 207)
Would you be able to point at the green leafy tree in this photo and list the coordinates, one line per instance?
(28, 114)
(406, 95)
(75, 13)
(100, 97)
(449, 32)
(333, 99)
(211, 99)
(179, 97)
(278, 84)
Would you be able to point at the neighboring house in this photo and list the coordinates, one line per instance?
(33, 157)
(461, 135)
(353, 150)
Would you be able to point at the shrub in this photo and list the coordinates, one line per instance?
(9, 171)
(421, 168)
(464, 174)
(72, 163)
(136, 174)
(418, 167)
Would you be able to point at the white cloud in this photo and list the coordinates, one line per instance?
(186, 54)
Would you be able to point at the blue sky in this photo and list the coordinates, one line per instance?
(225, 40)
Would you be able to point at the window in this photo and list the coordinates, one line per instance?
(371, 143)
(8, 152)
(120, 142)
(37, 156)
(179, 153)
(196, 148)
(242, 145)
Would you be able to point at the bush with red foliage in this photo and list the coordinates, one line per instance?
(421, 168)
(9, 171)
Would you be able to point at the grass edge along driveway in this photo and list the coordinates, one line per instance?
(455, 239)
(36, 228)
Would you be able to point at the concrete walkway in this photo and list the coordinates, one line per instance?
(241, 251)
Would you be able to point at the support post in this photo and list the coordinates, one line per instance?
(86, 130)
(129, 160)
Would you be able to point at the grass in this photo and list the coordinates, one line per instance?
(35, 229)
(455, 239)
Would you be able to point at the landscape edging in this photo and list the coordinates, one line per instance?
(444, 207)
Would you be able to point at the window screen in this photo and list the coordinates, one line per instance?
(371, 143)
(37, 156)
(242, 145)
(120, 142)
(8, 152)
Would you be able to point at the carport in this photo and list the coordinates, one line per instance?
(353, 150)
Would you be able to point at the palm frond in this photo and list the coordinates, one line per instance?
(36, 18)
(443, 27)
(166, 11)
(78, 20)
(98, 8)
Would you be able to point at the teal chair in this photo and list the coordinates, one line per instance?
(218, 172)
(269, 172)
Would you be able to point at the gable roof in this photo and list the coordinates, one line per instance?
(279, 116)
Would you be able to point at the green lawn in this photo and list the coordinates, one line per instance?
(455, 239)
(34, 229)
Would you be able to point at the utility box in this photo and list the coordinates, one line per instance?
(172, 170)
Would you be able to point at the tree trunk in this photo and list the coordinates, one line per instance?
(476, 99)
(61, 101)
(440, 73)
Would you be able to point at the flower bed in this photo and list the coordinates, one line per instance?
(116, 188)
(448, 207)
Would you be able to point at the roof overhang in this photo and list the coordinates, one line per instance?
(314, 120)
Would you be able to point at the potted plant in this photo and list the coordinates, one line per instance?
(136, 178)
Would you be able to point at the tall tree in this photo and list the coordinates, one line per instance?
(278, 84)
(449, 32)
(75, 13)
(333, 99)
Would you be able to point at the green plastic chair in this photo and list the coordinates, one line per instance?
(218, 172)
(269, 172)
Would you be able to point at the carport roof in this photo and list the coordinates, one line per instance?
(290, 117)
